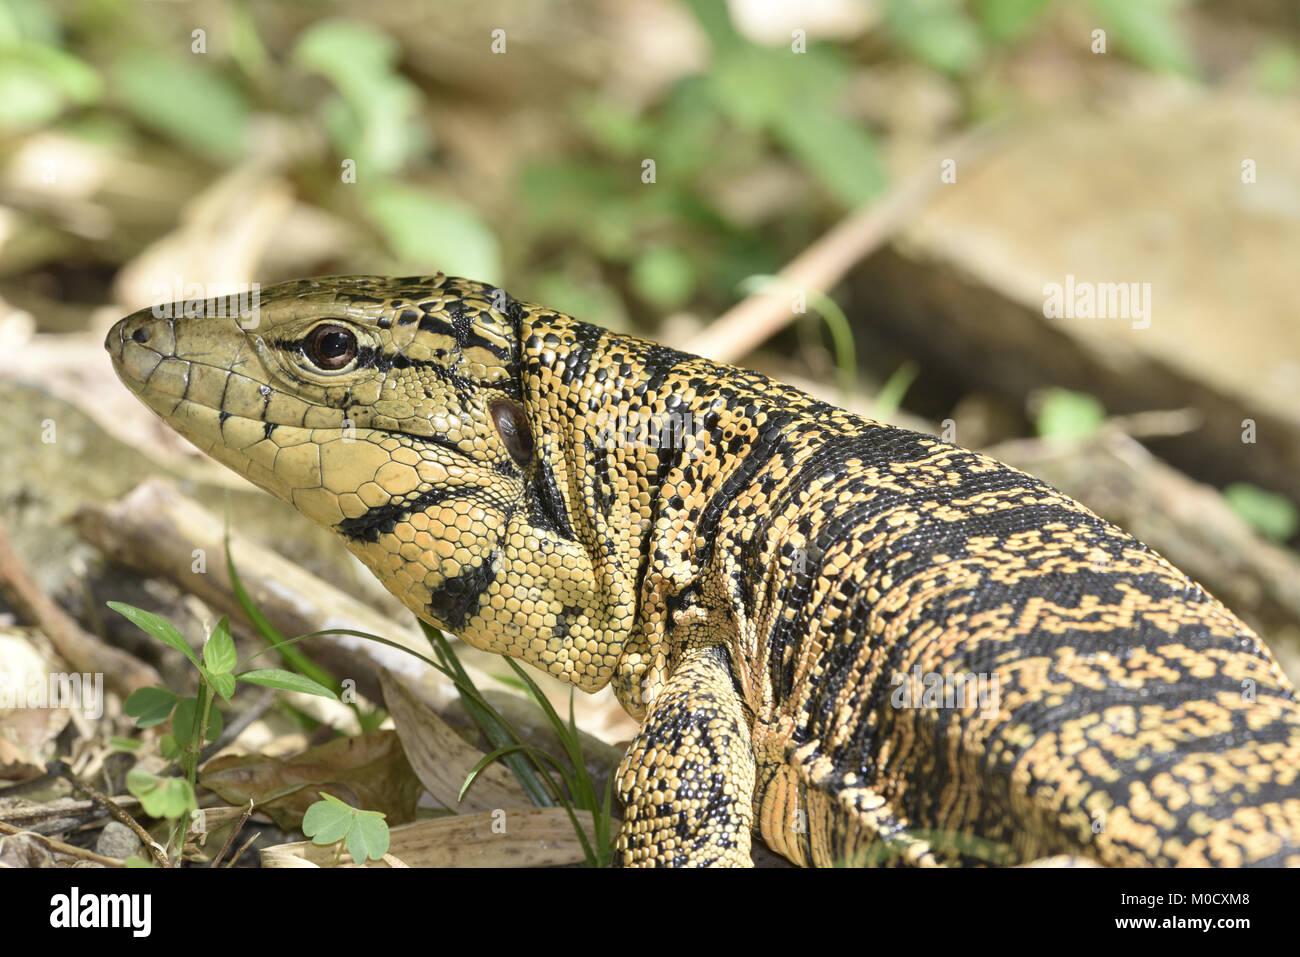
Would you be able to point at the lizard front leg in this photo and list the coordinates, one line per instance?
(687, 781)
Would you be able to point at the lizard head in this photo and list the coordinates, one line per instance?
(392, 412)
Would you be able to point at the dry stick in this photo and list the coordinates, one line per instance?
(77, 812)
(823, 264)
(1156, 423)
(59, 847)
(122, 672)
(240, 853)
(230, 838)
(107, 803)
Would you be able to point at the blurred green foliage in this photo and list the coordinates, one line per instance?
(38, 79)
(1277, 69)
(196, 108)
(1273, 516)
(375, 117)
(1148, 31)
(956, 37)
(580, 224)
(1068, 416)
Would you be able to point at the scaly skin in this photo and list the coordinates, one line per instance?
(771, 584)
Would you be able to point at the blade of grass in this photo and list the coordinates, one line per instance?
(836, 323)
(292, 657)
(890, 397)
(586, 798)
(497, 731)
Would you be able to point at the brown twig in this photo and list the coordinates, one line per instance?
(122, 672)
(79, 812)
(230, 838)
(109, 805)
(826, 261)
(1156, 423)
(60, 817)
(60, 847)
(238, 854)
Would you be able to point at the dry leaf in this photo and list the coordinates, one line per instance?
(532, 837)
(442, 759)
(369, 772)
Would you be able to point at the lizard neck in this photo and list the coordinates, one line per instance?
(611, 434)
(657, 456)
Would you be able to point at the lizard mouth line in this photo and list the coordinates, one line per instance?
(138, 377)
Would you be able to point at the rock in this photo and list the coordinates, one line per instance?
(1157, 196)
(117, 840)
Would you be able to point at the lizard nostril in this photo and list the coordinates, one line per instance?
(141, 335)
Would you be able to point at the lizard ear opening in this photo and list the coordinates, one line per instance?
(512, 425)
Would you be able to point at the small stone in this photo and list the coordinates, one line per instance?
(117, 840)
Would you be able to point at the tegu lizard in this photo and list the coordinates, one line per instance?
(865, 644)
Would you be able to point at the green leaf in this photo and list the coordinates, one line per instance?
(1007, 20)
(615, 126)
(160, 628)
(123, 744)
(184, 101)
(1150, 32)
(937, 32)
(348, 51)
(37, 83)
(136, 861)
(174, 798)
(430, 232)
(377, 119)
(715, 19)
(183, 721)
(285, 681)
(330, 820)
(140, 782)
(555, 198)
(161, 797)
(27, 21)
(29, 99)
(1276, 69)
(168, 747)
(663, 276)
(150, 706)
(749, 87)
(840, 153)
(219, 652)
(327, 821)
(1069, 416)
(223, 685)
(1271, 515)
(759, 88)
(368, 837)
(691, 137)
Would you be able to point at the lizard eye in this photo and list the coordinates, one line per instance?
(513, 428)
(331, 347)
